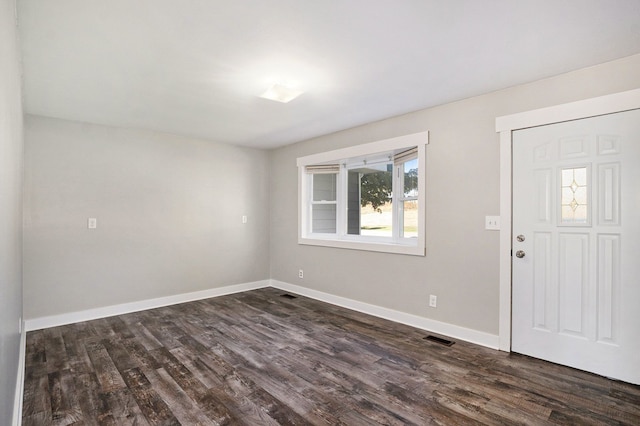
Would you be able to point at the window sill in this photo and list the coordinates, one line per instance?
(413, 249)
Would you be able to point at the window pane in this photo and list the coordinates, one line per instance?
(410, 219)
(353, 203)
(373, 192)
(411, 178)
(376, 222)
(574, 208)
(324, 186)
(580, 175)
(323, 218)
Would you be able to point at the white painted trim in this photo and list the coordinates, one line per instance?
(454, 331)
(398, 142)
(17, 401)
(125, 308)
(601, 105)
(609, 104)
(504, 319)
(393, 248)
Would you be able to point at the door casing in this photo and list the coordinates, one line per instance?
(505, 125)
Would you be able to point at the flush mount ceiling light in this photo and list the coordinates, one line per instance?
(280, 93)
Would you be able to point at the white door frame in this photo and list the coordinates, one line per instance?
(505, 125)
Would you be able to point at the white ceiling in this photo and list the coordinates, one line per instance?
(197, 67)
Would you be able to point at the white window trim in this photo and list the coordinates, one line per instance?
(415, 247)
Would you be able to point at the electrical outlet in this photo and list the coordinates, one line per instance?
(300, 273)
(92, 223)
(433, 300)
(492, 223)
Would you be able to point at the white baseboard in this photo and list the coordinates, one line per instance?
(125, 308)
(17, 401)
(454, 331)
(450, 330)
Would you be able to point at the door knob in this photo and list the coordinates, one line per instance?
(520, 238)
(520, 254)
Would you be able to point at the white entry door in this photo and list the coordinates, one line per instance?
(576, 244)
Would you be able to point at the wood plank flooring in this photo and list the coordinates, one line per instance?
(257, 358)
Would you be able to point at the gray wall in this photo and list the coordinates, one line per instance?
(461, 265)
(11, 148)
(169, 211)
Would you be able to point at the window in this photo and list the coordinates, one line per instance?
(574, 196)
(366, 197)
(324, 202)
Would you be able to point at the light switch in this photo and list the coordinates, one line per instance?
(92, 223)
(244, 219)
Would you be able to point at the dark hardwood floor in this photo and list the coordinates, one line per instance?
(258, 358)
